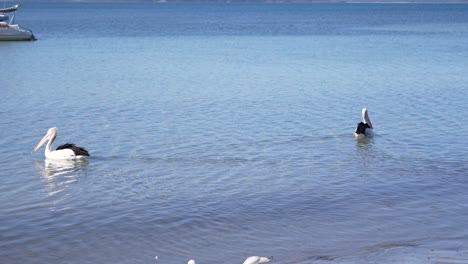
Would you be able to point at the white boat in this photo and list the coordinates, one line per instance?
(11, 31)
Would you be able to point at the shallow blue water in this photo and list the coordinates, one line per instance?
(219, 131)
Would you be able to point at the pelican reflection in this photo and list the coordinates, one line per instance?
(57, 174)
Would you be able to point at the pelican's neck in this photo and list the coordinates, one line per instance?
(48, 148)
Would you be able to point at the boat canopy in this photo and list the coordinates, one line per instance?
(9, 9)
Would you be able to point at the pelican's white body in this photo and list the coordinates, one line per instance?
(369, 133)
(249, 260)
(257, 260)
(62, 154)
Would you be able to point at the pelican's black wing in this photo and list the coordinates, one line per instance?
(79, 151)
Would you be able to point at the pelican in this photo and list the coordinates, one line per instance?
(249, 260)
(257, 260)
(64, 152)
(364, 128)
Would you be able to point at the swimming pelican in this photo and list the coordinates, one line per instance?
(64, 152)
(257, 260)
(364, 128)
(249, 260)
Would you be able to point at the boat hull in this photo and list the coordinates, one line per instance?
(15, 33)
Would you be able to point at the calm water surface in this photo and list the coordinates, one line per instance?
(220, 131)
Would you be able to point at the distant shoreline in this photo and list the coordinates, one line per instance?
(271, 1)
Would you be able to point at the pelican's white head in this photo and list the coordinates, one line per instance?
(191, 261)
(50, 135)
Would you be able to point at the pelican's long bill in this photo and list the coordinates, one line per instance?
(365, 118)
(42, 142)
